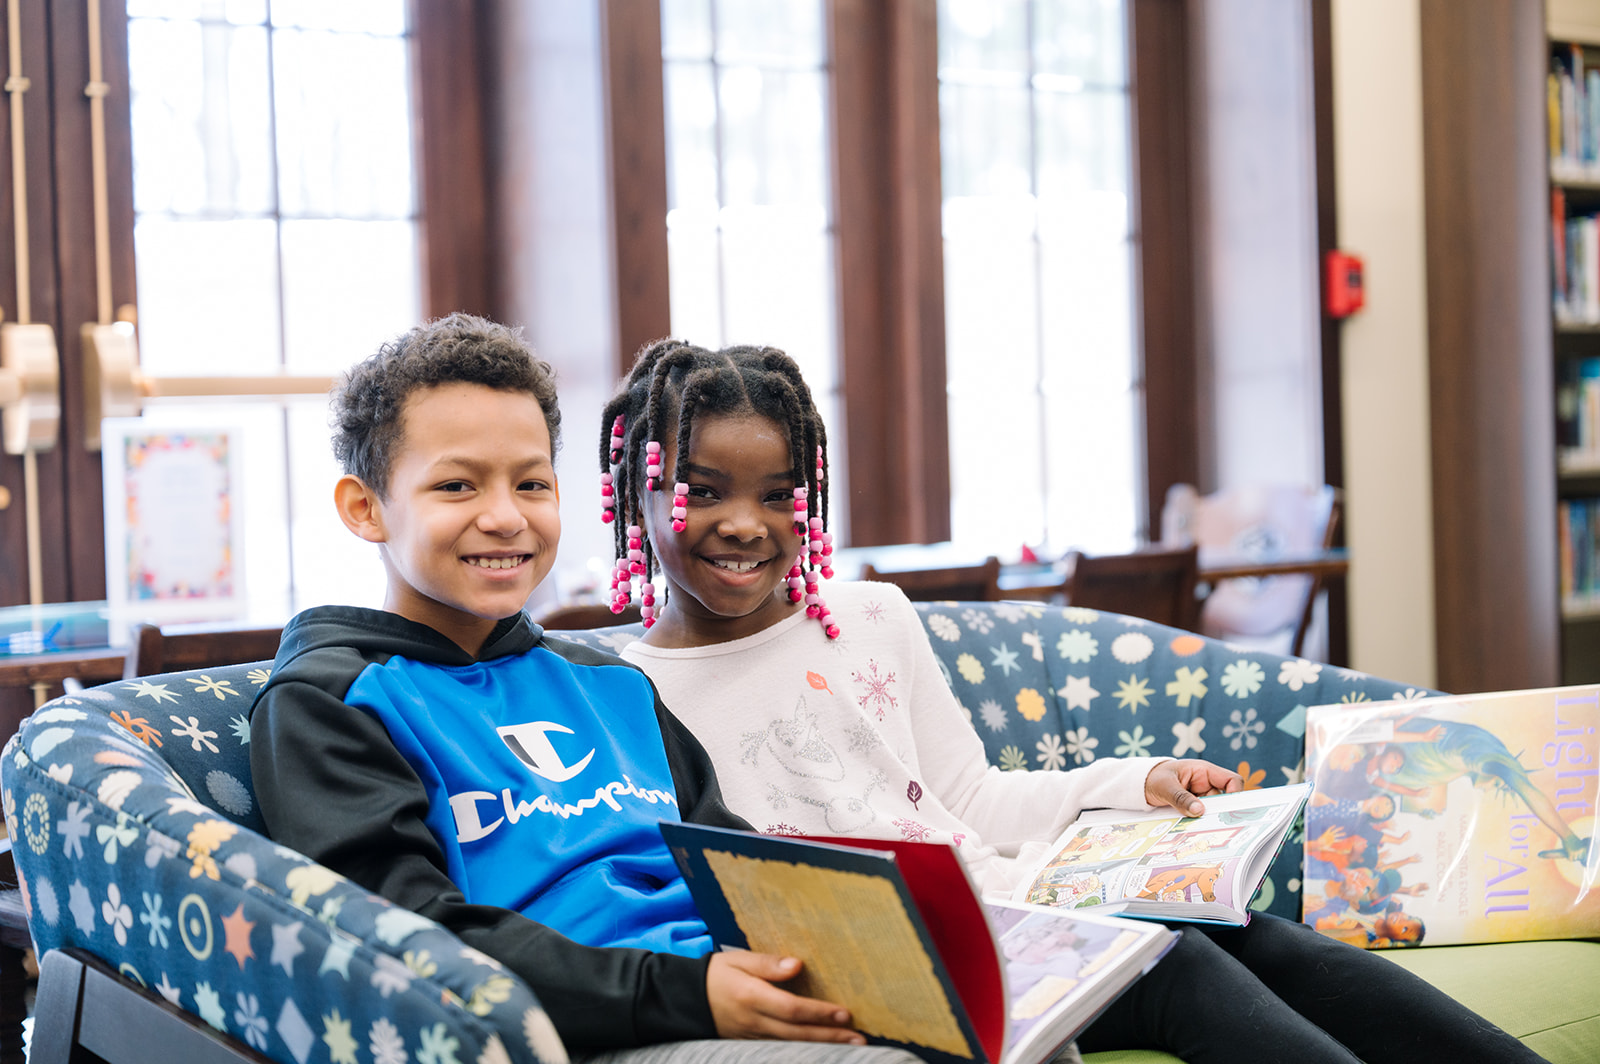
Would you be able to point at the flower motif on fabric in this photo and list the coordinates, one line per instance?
(240, 726)
(979, 620)
(1187, 646)
(872, 611)
(156, 692)
(493, 991)
(36, 823)
(1411, 694)
(198, 737)
(385, 1043)
(1252, 778)
(1188, 737)
(236, 930)
(1030, 704)
(782, 829)
(437, 1046)
(139, 726)
(1298, 672)
(1007, 611)
(1355, 696)
(117, 913)
(223, 689)
(421, 963)
(74, 829)
(1294, 775)
(157, 921)
(1077, 693)
(1134, 693)
(286, 946)
(1081, 745)
(970, 668)
(944, 627)
(1080, 615)
(258, 676)
(1243, 728)
(877, 699)
(1130, 648)
(116, 787)
(1135, 743)
(1077, 646)
(1190, 683)
(993, 714)
(911, 830)
(250, 1021)
(389, 975)
(1243, 678)
(1012, 759)
(1005, 659)
(342, 1046)
(1032, 641)
(1052, 752)
(123, 833)
(204, 839)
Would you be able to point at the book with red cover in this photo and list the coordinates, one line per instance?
(895, 932)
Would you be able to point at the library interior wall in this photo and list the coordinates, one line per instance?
(1377, 51)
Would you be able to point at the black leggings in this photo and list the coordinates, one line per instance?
(1277, 992)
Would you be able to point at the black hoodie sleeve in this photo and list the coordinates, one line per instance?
(333, 786)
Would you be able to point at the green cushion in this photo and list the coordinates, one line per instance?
(1545, 993)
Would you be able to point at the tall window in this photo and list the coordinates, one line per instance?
(275, 228)
(1044, 390)
(749, 222)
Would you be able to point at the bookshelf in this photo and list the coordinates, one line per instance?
(1573, 132)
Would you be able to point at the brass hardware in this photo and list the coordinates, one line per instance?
(30, 408)
(5, 497)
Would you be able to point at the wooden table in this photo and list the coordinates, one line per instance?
(1040, 583)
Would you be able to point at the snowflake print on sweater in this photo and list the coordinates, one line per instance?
(877, 699)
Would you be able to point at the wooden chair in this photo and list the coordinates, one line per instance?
(150, 650)
(961, 583)
(577, 617)
(1156, 584)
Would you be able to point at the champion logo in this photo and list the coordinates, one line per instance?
(531, 744)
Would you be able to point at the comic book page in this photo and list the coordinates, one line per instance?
(1165, 865)
(1454, 820)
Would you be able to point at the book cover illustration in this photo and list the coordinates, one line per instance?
(1454, 819)
(1119, 859)
(895, 931)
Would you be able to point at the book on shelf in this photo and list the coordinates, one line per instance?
(895, 932)
(1572, 102)
(1454, 819)
(1162, 865)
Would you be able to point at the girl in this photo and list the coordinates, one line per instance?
(714, 469)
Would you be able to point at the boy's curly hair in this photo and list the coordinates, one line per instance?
(368, 403)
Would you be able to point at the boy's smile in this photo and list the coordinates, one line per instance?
(727, 571)
(471, 521)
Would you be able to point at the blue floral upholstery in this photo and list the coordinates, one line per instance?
(1049, 687)
(137, 837)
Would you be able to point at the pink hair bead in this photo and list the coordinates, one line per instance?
(616, 440)
(680, 506)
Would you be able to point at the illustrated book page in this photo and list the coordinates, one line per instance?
(1454, 819)
(1163, 865)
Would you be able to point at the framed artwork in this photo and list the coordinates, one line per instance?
(174, 533)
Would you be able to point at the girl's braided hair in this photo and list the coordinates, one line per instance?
(670, 384)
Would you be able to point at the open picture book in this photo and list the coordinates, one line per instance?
(1162, 865)
(895, 932)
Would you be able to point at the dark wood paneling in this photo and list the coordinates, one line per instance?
(1160, 73)
(43, 305)
(452, 170)
(1330, 329)
(891, 268)
(1489, 343)
(636, 159)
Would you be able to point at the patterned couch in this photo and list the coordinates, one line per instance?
(1050, 688)
(137, 838)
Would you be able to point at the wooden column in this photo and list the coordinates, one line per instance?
(1489, 343)
(891, 268)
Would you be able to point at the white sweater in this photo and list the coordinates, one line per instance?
(862, 736)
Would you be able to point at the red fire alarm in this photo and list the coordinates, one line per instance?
(1342, 279)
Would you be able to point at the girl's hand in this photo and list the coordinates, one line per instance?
(1177, 783)
(745, 1004)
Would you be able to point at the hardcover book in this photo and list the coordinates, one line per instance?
(1455, 819)
(1163, 865)
(895, 932)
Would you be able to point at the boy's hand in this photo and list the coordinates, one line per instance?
(745, 1004)
(1177, 783)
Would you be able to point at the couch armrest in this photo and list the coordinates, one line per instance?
(115, 855)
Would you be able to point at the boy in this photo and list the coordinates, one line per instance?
(442, 753)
